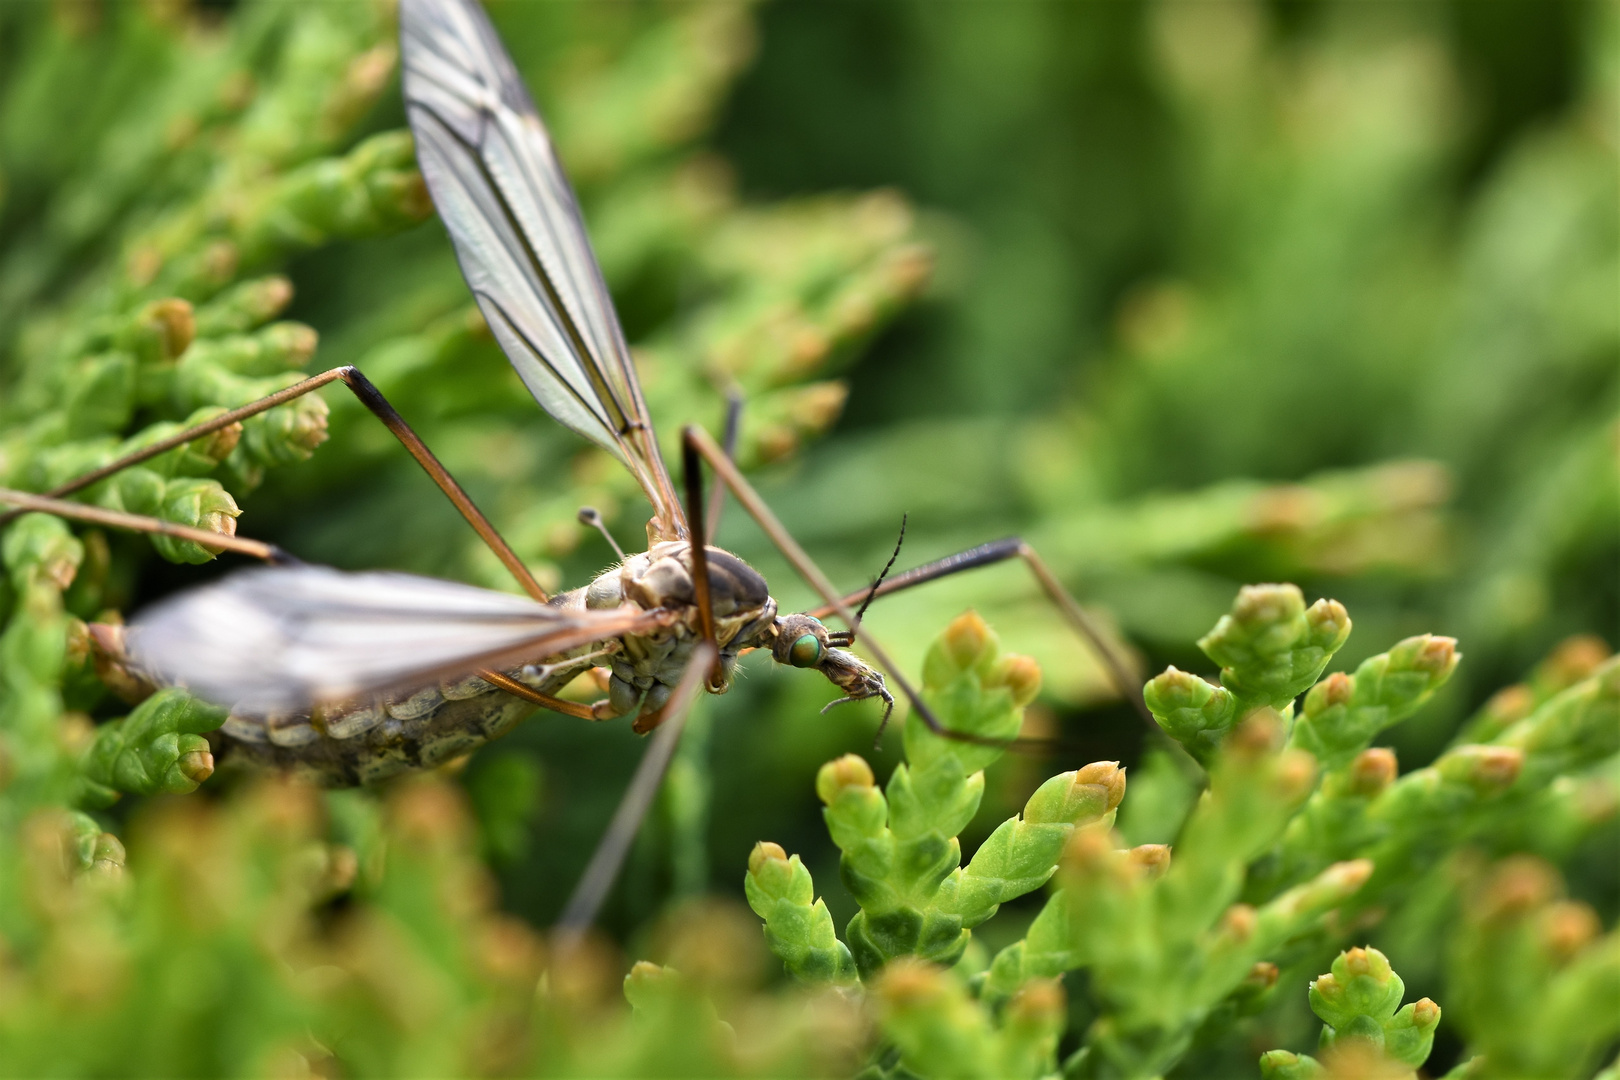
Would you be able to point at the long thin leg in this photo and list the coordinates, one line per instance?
(615, 844)
(196, 431)
(373, 400)
(1119, 671)
(696, 440)
(702, 667)
(117, 519)
(528, 693)
(270, 553)
(700, 442)
(692, 469)
(717, 500)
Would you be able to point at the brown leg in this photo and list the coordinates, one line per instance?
(117, 519)
(697, 441)
(692, 468)
(527, 693)
(373, 400)
(615, 844)
(700, 442)
(717, 500)
(1125, 680)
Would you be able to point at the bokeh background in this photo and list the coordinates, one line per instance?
(1188, 294)
(1220, 292)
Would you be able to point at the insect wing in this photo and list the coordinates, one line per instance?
(519, 236)
(278, 638)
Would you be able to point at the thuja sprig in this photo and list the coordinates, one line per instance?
(1167, 947)
(1574, 659)
(1536, 980)
(41, 557)
(1366, 1031)
(798, 926)
(1343, 712)
(899, 844)
(1270, 647)
(1470, 787)
(941, 1032)
(901, 856)
(157, 748)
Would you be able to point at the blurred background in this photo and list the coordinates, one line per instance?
(1219, 292)
(1187, 294)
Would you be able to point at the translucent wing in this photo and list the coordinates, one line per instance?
(277, 638)
(519, 236)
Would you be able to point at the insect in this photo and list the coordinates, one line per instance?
(351, 677)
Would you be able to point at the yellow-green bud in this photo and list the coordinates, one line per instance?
(966, 639)
(1239, 921)
(1329, 623)
(1295, 775)
(1039, 1003)
(909, 983)
(765, 851)
(1021, 675)
(1487, 769)
(1257, 736)
(1153, 859)
(851, 770)
(1259, 605)
(1566, 928)
(1091, 851)
(196, 766)
(1372, 771)
(1573, 660)
(1437, 655)
(162, 331)
(1106, 775)
(291, 344)
(1337, 689)
(1263, 975)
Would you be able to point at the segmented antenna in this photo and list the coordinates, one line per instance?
(872, 592)
(589, 515)
(846, 638)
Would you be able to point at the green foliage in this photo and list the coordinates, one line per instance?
(158, 748)
(902, 857)
(1273, 862)
(1224, 293)
(1364, 1026)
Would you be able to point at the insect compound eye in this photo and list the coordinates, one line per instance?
(806, 651)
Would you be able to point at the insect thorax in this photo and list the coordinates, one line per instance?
(648, 667)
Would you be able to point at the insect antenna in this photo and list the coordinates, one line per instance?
(696, 440)
(589, 515)
(846, 638)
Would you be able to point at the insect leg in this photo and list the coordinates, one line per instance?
(696, 441)
(95, 515)
(527, 693)
(373, 400)
(1126, 681)
(717, 499)
(180, 438)
(692, 469)
(609, 856)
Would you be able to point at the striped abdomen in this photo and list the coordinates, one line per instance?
(358, 743)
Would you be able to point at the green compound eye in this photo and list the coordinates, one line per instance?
(806, 652)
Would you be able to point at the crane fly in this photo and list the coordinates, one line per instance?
(351, 677)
